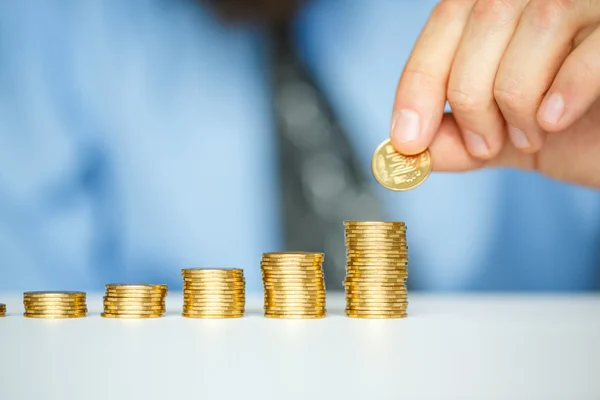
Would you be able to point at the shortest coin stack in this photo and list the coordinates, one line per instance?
(2, 310)
(134, 301)
(213, 293)
(294, 285)
(54, 304)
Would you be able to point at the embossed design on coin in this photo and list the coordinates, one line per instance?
(398, 172)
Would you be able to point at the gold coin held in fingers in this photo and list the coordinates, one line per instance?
(398, 172)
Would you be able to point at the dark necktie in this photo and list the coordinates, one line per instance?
(322, 183)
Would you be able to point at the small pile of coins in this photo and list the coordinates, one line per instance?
(134, 301)
(54, 304)
(213, 293)
(294, 285)
(2, 310)
(376, 269)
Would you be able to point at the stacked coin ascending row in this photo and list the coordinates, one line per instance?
(294, 285)
(134, 301)
(213, 293)
(376, 269)
(2, 310)
(54, 304)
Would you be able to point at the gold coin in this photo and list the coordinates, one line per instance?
(293, 316)
(134, 291)
(374, 223)
(125, 306)
(213, 294)
(376, 275)
(57, 309)
(237, 271)
(296, 310)
(134, 312)
(397, 234)
(399, 172)
(129, 300)
(365, 293)
(375, 316)
(53, 316)
(211, 280)
(55, 297)
(212, 310)
(130, 316)
(54, 304)
(213, 277)
(292, 268)
(378, 302)
(377, 249)
(376, 312)
(287, 272)
(368, 254)
(143, 286)
(380, 267)
(353, 280)
(305, 301)
(214, 289)
(212, 316)
(292, 278)
(278, 254)
(286, 302)
(382, 264)
(375, 233)
(294, 295)
(135, 296)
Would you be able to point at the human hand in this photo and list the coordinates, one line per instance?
(522, 78)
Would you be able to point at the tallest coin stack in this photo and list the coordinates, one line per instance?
(376, 269)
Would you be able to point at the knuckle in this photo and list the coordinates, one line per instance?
(465, 102)
(510, 99)
(548, 14)
(584, 70)
(447, 10)
(421, 77)
(497, 12)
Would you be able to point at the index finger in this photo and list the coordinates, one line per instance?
(421, 93)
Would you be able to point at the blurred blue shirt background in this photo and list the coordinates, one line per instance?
(136, 139)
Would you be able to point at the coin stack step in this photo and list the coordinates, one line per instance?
(213, 293)
(54, 304)
(134, 301)
(376, 269)
(294, 285)
(2, 310)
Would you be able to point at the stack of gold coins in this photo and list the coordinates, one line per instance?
(134, 301)
(294, 285)
(2, 310)
(213, 293)
(376, 269)
(54, 304)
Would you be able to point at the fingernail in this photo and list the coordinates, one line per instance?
(552, 109)
(518, 138)
(476, 145)
(406, 126)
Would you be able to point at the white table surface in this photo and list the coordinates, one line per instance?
(451, 347)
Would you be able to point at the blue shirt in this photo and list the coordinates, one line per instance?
(136, 139)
